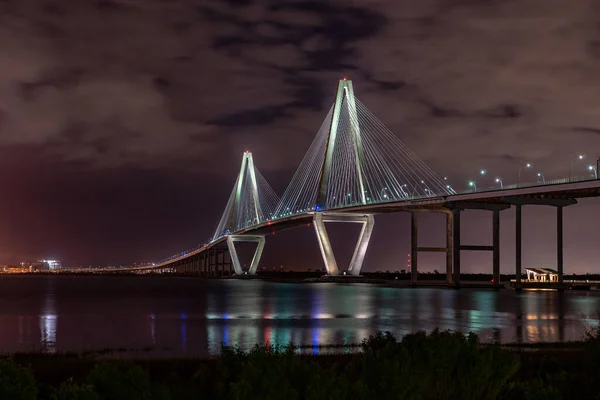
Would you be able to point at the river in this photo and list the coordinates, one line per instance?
(168, 316)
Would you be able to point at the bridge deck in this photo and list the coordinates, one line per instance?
(540, 194)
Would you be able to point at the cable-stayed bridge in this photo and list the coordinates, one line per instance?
(354, 169)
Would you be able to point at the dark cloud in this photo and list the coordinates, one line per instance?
(587, 130)
(320, 36)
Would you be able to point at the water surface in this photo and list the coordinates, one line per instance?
(191, 317)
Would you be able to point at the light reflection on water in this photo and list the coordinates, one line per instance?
(48, 321)
(179, 316)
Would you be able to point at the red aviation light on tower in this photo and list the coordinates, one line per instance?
(345, 78)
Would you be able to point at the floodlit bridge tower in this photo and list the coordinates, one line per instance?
(344, 103)
(354, 161)
(252, 202)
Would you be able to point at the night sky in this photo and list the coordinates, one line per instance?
(123, 122)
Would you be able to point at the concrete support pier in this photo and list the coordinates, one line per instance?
(559, 246)
(449, 247)
(496, 245)
(415, 248)
(518, 249)
(519, 202)
(457, 246)
(367, 221)
(260, 240)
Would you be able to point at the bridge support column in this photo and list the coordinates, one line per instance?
(456, 246)
(496, 244)
(519, 202)
(415, 248)
(367, 220)
(518, 247)
(559, 245)
(257, 254)
(449, 248)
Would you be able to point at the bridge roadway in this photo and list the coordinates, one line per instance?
(558, 195)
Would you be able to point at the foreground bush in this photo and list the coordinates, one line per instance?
(70, 390)
(16, 382)
(439, 365)
(125, 381)
(271, 373)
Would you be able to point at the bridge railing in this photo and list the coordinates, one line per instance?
(522, 185)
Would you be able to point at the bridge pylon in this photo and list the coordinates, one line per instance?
(367, 221)
(344, 102)
(355, 160)
(252, 202)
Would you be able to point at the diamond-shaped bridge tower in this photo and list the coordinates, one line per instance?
(252, 202)
(354, 160)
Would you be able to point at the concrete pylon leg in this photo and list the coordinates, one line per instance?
(449, 247)
(362, 244)
(496, 251)
(559, 246)
(518, 244)
(456, 246)
(414, 247)
(237, 267)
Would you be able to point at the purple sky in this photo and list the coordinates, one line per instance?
(122, 122)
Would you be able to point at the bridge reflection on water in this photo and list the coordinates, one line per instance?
(345, 315)
(191, 317)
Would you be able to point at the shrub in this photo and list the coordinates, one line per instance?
(16, 382)
(271, 372)
(379, 341)
(441, 365)
(124, 381)
(534, 389)
(268, 373)
(70, 390)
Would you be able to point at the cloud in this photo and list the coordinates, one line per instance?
(129, 82)
(488, 80)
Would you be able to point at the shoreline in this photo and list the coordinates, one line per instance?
(331, 350)
(387, 280)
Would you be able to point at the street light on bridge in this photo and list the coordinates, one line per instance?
(526, 165)
(578, 157)
(594, 169)
(473, 184)
(498, 180)
(383, 194)
(540, 175)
